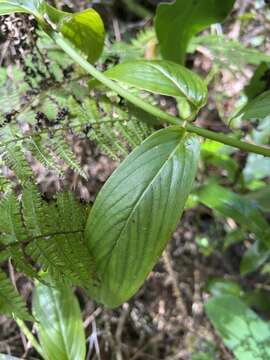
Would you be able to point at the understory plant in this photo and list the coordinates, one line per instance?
(109, 249)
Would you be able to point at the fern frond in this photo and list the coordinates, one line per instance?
(115, 130)
(63, 253)
(13, 152)
(21, 261)
(11, 226)
(63, 151)
(35, 211)
(11, 303)
(16, 161)
(229, 52)
(144, 36)
(49, 235)
(71, 219)
(11, 89)
(44, 252)
(130, 51)
(72, 215)
(111, 125)
(38, 149)
(65, 257)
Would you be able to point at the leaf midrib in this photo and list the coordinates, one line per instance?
(173, 80)
(61, 323)
(142, 196)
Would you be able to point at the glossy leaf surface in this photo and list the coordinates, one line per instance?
(162, 77)
(86, 31)
(242, 331)
(258, 108)
(60, 326)
(137, 210)
(178, 21)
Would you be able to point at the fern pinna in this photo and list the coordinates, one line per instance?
(49, 236)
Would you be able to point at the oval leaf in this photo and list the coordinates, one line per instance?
(162, 77)
(257, 108)
(137, 210)
(60, 326)
(86, 31)
(177, 22)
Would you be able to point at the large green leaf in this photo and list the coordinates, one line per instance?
(178, 21)
(86, 31)
(258, 108)
(59, 322)
(242, 331)
(137, 210)
(162, 77)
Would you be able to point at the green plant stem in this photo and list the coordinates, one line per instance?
(30, 337)
(158, 113)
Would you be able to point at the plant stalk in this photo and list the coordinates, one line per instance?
(30, 337)
(158, 113)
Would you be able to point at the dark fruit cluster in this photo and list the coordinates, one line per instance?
(44, 122)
